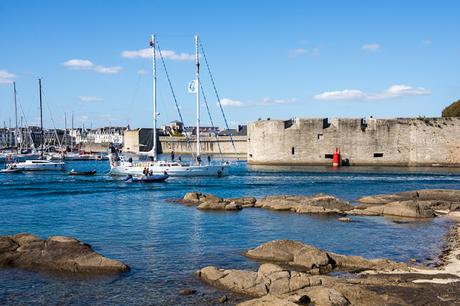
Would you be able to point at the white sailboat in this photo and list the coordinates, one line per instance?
(119, 166)
(38, 164)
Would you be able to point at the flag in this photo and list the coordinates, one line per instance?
(192, 87)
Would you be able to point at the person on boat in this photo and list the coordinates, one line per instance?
(180, 158)
(198, 160)
(150, 173)
(209, 159)
(172, 155)
(130, 159)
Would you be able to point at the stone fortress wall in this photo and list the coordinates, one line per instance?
(391, 142)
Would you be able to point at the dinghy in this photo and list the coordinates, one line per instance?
(73, 172)
(147, 178)
(10, 170)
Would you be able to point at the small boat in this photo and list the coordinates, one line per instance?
(73, 172)
(10, 170)
(147, 178)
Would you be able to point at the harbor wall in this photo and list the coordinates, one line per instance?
(140, 140)
(208, 145)
(392, 142)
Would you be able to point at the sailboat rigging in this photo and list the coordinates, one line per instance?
(119, 166)
(38, 164)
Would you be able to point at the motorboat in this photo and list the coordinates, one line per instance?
(151, 178)
(73, 172)
(10, 170)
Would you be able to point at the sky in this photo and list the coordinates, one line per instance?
(269, 59)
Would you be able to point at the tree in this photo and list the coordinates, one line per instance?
(452, 110)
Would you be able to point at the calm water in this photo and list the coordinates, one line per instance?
(166, 243)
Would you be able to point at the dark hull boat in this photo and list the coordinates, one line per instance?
(73, 172)
(147, 178)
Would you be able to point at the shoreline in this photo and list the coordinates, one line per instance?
(369, 281)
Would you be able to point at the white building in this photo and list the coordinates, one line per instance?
(106, 135)
(6, 137)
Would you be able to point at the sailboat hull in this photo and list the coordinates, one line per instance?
(39, 165)
(184, 171)
(172, 169)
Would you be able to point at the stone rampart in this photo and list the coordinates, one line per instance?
(392, 142)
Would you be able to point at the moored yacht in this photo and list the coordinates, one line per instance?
(120, 166)
(40, 164)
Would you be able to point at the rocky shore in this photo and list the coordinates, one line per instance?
(55, 254)
(293, 273)
(412, 204)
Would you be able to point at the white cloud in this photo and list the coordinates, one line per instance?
(427, 42)
(167, 54)
(82, 64)
(401, 90)
(141, 71)
(394, 91)
(6, 77)
(90, 99)
(346, 94)
(270, 101)
(231, 103)
(370, 47)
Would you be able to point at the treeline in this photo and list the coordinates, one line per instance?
(452, 110)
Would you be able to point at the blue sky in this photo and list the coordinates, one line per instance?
(278, 59)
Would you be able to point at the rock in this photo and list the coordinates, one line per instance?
(223, 299)
(410, 208)
(316, 204)
(214, 205)
(233, 206)
(276, 250)
(314, 260)
(344, 219)
(58, 253)
(326, 296)
(187, 291)
(244, 201)
(210, 198)
(192, 197)
(269, 279)
(268, 300)
(426, 194)
(406, 209)
(62, 239)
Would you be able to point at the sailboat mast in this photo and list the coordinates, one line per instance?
(71, 136)
(154, 97)
(16, 118)
(197, 60)
(41, 118)
(64, 138)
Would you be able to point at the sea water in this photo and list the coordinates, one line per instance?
(164, 243)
